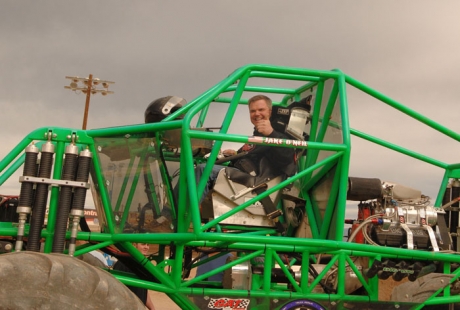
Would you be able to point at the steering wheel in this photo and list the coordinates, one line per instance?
(230, 158)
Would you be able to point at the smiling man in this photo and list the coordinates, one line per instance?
(280, 160)
(259, 160)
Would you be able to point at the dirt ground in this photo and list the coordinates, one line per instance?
(386, 287)
(162, 301)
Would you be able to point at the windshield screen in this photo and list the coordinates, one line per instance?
(135, 182)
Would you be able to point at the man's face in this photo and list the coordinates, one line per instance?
(258, 110)
(143, 248)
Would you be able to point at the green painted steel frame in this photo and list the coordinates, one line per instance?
(251, 243)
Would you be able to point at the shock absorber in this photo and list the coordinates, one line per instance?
(79, 196)
(65, 197)
(26, 196)
(41, 197)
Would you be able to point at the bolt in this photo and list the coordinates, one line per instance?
(275, 301)
(206, 297)
(397, 306)
(8, 247)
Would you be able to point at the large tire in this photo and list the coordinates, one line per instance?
(31, 280)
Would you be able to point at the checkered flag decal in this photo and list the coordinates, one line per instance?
(228, 304)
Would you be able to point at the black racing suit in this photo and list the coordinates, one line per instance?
(280, 159)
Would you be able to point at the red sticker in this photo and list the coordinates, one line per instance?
(228, 304)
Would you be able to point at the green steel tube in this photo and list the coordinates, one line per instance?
(399, 149)
(288, 143)
(314, 217)
(274, 295)
(359, 275)
(103, 190)
(277, 187)
(415, 115)
(132, 190)
(144, 284)
(331, 245)
(332, 205)
(341, 273)
(188, 106)
(133, 129)
(124, 184)
(344, 163)
(442, 189)
(86, 248)
(177, 265)
(282, 76)
(183, 214)
(447, 294)
(268, 265)
(216, 149)
(322, 274)
(312, 155)
(187, 149)
(54, 197)
(290, 70)
(260, 89)
(222, 268)
(153, 237)
(328, 112)
(12, 169)
(288, 275)
(305, 264)
(14, 153)
(156, 271)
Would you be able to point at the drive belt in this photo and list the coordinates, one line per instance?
(444, 231)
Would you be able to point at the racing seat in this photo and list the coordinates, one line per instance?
(234, 187)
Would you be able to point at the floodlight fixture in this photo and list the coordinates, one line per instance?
(89, 87)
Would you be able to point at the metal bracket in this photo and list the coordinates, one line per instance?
(434, 243)
(53, 182)
(410, 236)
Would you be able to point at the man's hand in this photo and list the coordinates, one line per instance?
(264, 127)
(229, 152)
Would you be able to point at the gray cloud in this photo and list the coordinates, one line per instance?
(408, 50)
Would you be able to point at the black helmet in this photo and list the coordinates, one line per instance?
(162, 107)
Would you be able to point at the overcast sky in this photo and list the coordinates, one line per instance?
(408, 50)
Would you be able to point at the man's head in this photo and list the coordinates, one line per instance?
(260, 108)
(143, 248)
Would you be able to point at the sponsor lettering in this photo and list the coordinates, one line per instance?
(390, 269)
(277, 141)
(283, 111)
(91, 213)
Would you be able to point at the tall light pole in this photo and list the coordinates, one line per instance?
(90, 87)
